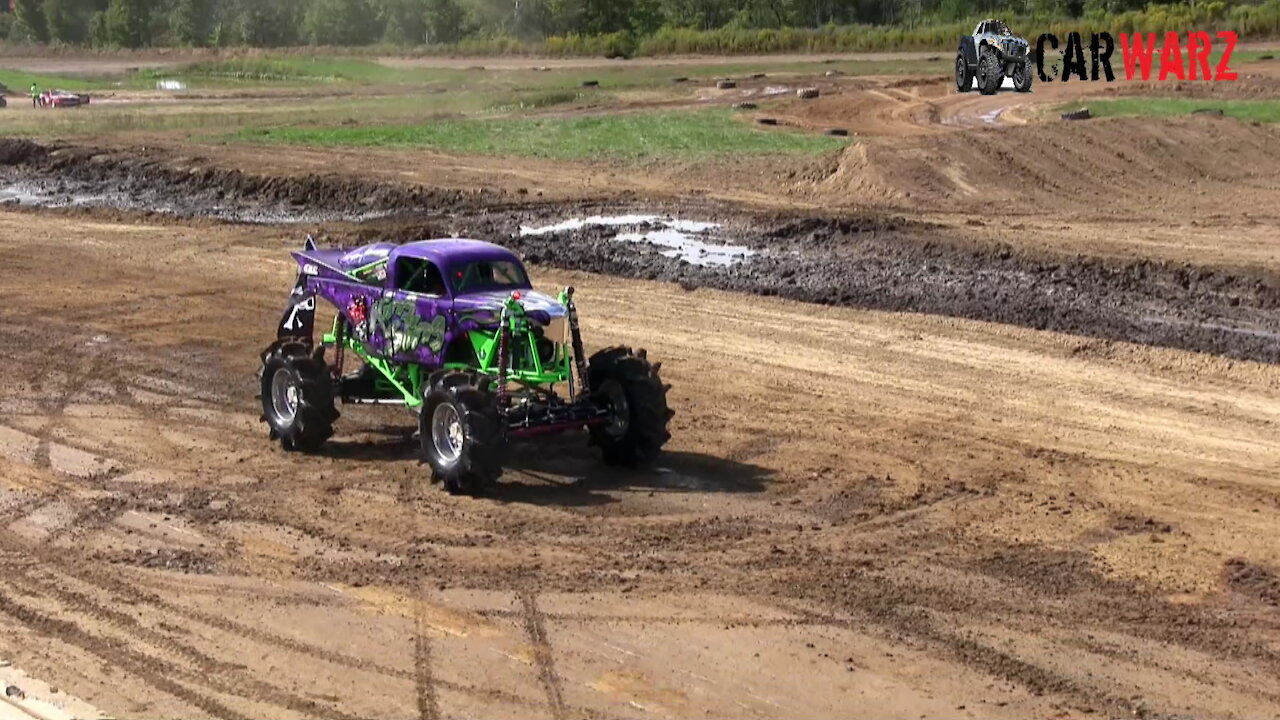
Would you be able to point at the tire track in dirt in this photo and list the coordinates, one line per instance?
(893, 623)
(424, 682)
(213, 673)
(155, 672)
(535, 628)
(138, 596)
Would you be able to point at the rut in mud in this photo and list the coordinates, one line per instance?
(871, 261)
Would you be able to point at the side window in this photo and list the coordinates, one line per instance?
(419, 276)
(374, 271)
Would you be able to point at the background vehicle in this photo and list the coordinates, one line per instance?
(452, 329)
(62, 98)
(991, 54)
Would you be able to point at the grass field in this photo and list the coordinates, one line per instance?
(631, 136)
(1259, 110)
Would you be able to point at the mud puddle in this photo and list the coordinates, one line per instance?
(695, 242)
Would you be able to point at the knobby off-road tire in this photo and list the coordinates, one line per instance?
(1022, 76)
(990, 71)
(627, 383)
(462, 435)
(297, 398)
(964, 74)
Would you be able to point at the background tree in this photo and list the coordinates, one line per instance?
(128, 23)
(404, 21)
(445, 21)
(340, 22)
(191, 21)
(30, 17)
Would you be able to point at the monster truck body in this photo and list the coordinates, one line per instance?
(991, 54)
(453, 329)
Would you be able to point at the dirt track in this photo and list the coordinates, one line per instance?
(892, 503)
(862, 512)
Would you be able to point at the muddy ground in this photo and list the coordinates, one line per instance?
(864, 260)
(1046, 489)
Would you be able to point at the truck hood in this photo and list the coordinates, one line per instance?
(539, 306)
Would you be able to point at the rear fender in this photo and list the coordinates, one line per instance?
(968, 50)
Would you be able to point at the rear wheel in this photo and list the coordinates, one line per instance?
(297, 398)
(630, 387)
(964, 75)
(990, 71)
(462, 434)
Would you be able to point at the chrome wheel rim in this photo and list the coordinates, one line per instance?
(960, 68)
(446, 432)
(284, 397)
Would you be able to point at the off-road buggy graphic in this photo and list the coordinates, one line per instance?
(452, 329)
(991, 54)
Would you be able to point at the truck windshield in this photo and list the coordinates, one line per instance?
(489, 275)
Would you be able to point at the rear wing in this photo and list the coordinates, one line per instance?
(298, 322)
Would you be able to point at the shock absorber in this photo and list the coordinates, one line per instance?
(339, 346)
(575, 339)
(504, 349)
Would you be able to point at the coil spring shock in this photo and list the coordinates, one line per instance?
(504, 359)
(339, 348)
(575, 335)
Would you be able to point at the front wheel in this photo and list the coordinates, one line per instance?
(626, 384)
(990, 71)
(1022, 76)
(462, 434)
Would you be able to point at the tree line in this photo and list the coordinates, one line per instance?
(279, 23)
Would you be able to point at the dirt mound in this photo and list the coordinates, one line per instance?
(1254, 581)
(1120, 167)
(15, 151)
(195, 188)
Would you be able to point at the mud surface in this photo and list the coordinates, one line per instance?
(61, 176)
(865, 260)
(889, 263)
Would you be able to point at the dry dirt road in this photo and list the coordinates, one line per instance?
(860, 514)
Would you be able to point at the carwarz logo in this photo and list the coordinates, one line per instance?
(1138, 52)
(993, 53)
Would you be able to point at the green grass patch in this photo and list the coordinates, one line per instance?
(632, 136)
(1260, 110)
(19, 82)
(288, 70)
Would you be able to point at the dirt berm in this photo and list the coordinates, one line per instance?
(1115, 167)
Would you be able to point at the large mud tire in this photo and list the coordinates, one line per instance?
(297, 398)
(990, 71)
(627, 382)
(964, 74)
(1022, 76)
(462, 435)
